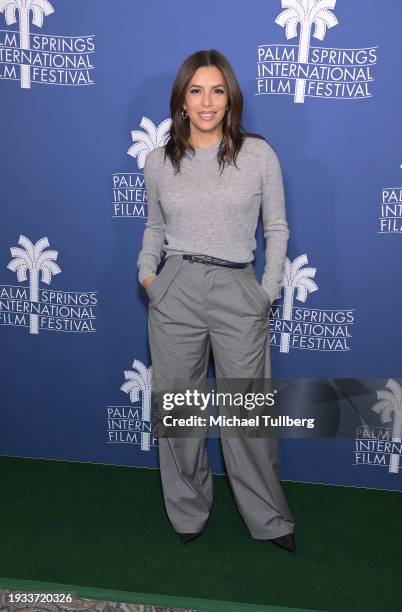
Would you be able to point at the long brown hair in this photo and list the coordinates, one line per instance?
(232, 131)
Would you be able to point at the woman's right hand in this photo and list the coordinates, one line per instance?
(148, 280)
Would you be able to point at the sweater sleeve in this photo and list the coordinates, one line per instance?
(276, 232)
(154, 232)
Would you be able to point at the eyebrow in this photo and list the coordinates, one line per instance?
(200, 86)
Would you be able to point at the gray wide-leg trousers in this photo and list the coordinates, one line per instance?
(193, 308)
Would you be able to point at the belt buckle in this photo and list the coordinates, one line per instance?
(198, 258)
(206, 259)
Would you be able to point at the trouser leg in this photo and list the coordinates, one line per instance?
(179, 345)
(238, 325)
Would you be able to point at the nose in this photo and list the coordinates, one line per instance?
(206, 101)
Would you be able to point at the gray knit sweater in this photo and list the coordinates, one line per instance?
(200, 211)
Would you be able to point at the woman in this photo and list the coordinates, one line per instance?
(204, 189)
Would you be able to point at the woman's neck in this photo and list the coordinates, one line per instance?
(204, 141)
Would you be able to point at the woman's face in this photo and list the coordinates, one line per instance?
(206, 100)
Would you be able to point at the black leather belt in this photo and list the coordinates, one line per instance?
(214, 261)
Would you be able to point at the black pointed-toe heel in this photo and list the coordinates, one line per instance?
(188, 537)
(286, 541)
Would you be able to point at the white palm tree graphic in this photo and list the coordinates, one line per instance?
(34, 258)
(294, 279)
(307, 13)
(150, 139)
(39, 8)
(136, 382)
(390, 408)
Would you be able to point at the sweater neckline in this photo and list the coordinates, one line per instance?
(207, 151)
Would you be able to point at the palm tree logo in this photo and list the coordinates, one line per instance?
(140, 379)
(36, 259)
(390, 408)
(39, 8)
(306, 13)
(295, 278)
(151, 138)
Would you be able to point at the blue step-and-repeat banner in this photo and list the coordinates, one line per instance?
(85, 90)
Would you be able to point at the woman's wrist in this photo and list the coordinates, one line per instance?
(148, 280)
(144, 272)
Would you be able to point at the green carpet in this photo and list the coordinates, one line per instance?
(105, 527)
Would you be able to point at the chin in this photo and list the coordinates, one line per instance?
(211, 128)
(207, 127)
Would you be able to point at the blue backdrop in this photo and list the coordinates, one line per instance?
(85, 96)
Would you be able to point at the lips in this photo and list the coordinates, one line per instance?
(207, 116)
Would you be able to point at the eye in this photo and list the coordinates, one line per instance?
(220, 91)
(194, 90)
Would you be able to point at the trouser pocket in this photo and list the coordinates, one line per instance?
(159, 287)
(252, 290)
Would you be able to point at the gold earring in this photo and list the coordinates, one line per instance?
(184, 110)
